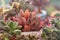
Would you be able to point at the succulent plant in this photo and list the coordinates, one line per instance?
(57, 14)
(10, 31)
(48, 34)
(56, 22)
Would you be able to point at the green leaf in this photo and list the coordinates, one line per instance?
(58, 25)
(43, 35)
(5, 38)
(12, 25)
(57, 14)
(3, 23)
(17, 32)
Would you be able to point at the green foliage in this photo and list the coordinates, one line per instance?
(12, 25)
(48, 34)
(58, 34)
(56, 22)
(10, 29)
(57, 14)
(13, 28)
(51, 33)
(5, 38)
(17, 32)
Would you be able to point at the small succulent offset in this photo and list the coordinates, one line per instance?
(10, 31)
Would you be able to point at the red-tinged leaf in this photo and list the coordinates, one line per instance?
(27, 14)
(26, 28)
(13, 38)
(33, 14)
(20, 22)
(32, 23)
(33, 28)
(14, 18)
(21, 12)
(41, 23)
(49, 25)
(24, 20)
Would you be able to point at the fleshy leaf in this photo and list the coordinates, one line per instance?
(12, 25)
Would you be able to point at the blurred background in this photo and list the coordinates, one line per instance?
(52, 2)
(52, 6)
